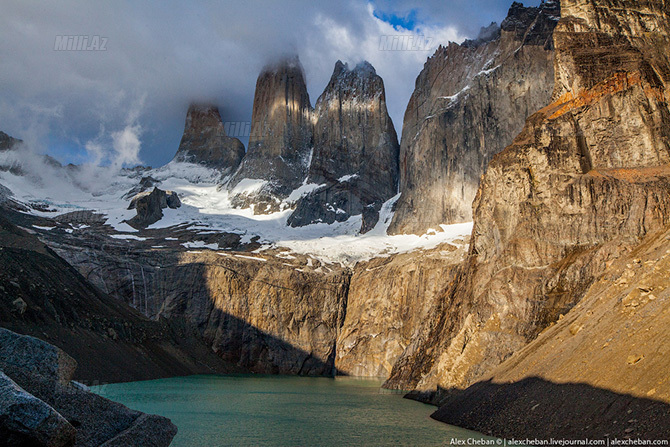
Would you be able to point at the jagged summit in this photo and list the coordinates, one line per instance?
(281, 138)
(205, 141)
(355, 161)
(486, 34)
(532, 25)
(362, 79)
(363, 67)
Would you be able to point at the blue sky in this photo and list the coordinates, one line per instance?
(127, 103)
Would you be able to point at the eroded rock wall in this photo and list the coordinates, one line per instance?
(585, 180)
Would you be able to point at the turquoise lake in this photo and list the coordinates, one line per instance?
(241, 410)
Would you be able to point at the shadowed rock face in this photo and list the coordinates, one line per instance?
(43, 296)
(205, 141)
(469, 103)
(355, 156)
(584, 182)
(281, 142)
(257, 311)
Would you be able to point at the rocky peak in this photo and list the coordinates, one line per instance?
(7, 142)
(486, 34)
(150, 205)
(361, 81)
(532, 25)
(205, 141)
(281, 136)
(355, 159)
(469, 102)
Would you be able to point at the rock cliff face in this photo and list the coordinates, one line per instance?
(387, 301)
(259, 312)
(355, 159)
(205, 141)
(469, 103)
(264, 313)
(281, 141)
(585, 180)
(600, 371)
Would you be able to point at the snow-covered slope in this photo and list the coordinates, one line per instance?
(49, 190)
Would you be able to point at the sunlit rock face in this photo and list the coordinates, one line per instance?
(580, 186)
(205, 141)
(388, 299)
(469, 102)
(281, 140)
(355, 159)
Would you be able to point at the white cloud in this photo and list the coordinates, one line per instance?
(176, 53)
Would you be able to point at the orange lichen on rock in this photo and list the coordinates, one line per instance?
(633, 175)
(617, 83)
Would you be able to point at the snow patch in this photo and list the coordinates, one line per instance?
(39, 227)
(249, 186)
(346, 178)
(127, 237)
(303, 190)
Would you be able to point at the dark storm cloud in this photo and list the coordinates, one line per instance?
(159, 56)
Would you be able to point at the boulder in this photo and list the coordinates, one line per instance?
(41, 402)
(21, 352)
(26, 421)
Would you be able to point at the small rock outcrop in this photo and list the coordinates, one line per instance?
(469, 103)
(280, 143)
(355, 160)
(205, 141)
(583, 183)
(41, 406)
(150, 205)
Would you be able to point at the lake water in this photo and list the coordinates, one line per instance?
(254, 410)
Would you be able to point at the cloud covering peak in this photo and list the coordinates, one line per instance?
(125, 103)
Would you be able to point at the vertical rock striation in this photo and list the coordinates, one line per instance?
(355, 160)
(281, 141)
(469, 102)
(205, 141)
(585, 180)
